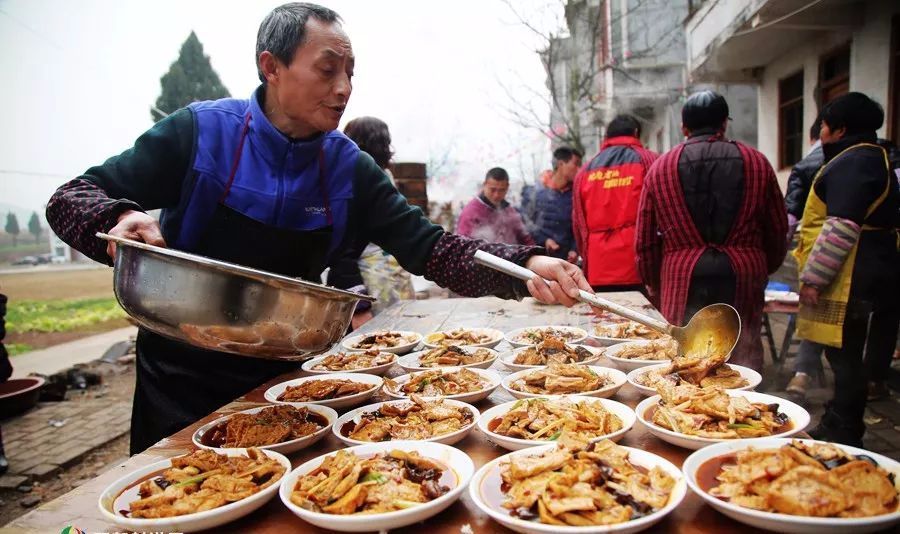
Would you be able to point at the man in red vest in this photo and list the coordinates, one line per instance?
(711, 225)
(607, 193)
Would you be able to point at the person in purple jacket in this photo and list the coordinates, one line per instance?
(490, 217)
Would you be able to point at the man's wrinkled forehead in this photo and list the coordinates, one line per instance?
(326, 40)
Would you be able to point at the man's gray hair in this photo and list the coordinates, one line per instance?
(284, 30)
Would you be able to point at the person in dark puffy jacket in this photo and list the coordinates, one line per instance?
(801, 179)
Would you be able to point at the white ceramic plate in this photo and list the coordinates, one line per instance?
(491, 377)
(496, 337)
(350, 342)
(623, 412)
(638, 457)
(410, 362)
(376, 370)
(784, 522)
(609, 341)
(453, 458)
(798, 416)
(516, 338)
(285, 447)
(446, 439)
(753, 378)
(347, 401)
(508, 357)
(618, 380)
(629, 364)
(188, 522)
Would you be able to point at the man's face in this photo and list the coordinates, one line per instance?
(827, 135)
(314, 88)
(570, 168)
(495, 190)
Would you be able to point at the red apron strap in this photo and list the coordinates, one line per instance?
(236, 158)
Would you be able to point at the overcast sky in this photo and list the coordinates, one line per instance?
(78, 77)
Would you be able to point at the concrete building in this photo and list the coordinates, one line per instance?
(801, 54)
(630, 56)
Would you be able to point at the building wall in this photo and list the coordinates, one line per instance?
(869, 73)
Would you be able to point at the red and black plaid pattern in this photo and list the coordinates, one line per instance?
(669, 245)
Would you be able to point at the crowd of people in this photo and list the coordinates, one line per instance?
(706, 222)
(271, 183)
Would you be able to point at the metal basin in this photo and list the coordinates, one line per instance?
(225, 307)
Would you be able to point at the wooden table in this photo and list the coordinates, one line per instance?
(79, 507)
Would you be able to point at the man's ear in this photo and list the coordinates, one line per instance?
(685, 131)
(840, 132)
(269, 66)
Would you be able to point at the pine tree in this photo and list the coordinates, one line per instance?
(34, 226)
(12, 227)
(190, 78)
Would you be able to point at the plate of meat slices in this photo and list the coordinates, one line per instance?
(692, 417)
(394, 341)
(578, 488)
(453, 356)
(532, 335)
(564, 379)
(201, 490)
(550, 350)
(464, 337)
(466, 384)
(374, 362)
(727, 376)
(632, 355)
(282, 428)
(616, 332)
(377, 486)
(541, 420)
(807, 487)
(440, 420)
(336, 390)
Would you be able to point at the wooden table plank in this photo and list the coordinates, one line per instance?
(79, 507)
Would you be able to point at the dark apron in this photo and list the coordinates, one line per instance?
(178, 384)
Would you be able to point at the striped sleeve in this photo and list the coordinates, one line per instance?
(829, 252)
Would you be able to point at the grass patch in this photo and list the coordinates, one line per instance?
(17, 348)
(60, 315)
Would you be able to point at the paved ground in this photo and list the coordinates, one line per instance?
(60, 357)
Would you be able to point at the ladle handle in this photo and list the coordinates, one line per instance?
(517, 271)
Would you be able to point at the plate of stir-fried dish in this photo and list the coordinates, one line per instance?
(540, 420)
(378, 486)
(793, 485)
(464, 337)
(282, 428)
(335, 390)
(550, 350)
(395, 341)
(617, 332)
(532, 335)
(201, 490)
(692, 417)
(564, 379)
(727, 376)
(632, 355)
(374, 362)
(466, 384)
(578, 488)
(441, 420)
(453, 356)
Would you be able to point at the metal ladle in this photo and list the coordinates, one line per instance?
(712, 331)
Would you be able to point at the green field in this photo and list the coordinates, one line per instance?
(60, 315)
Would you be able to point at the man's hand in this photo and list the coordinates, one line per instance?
(809, 295)
(565, 280)
(551, 245)
(572, 257)
(138, 226)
